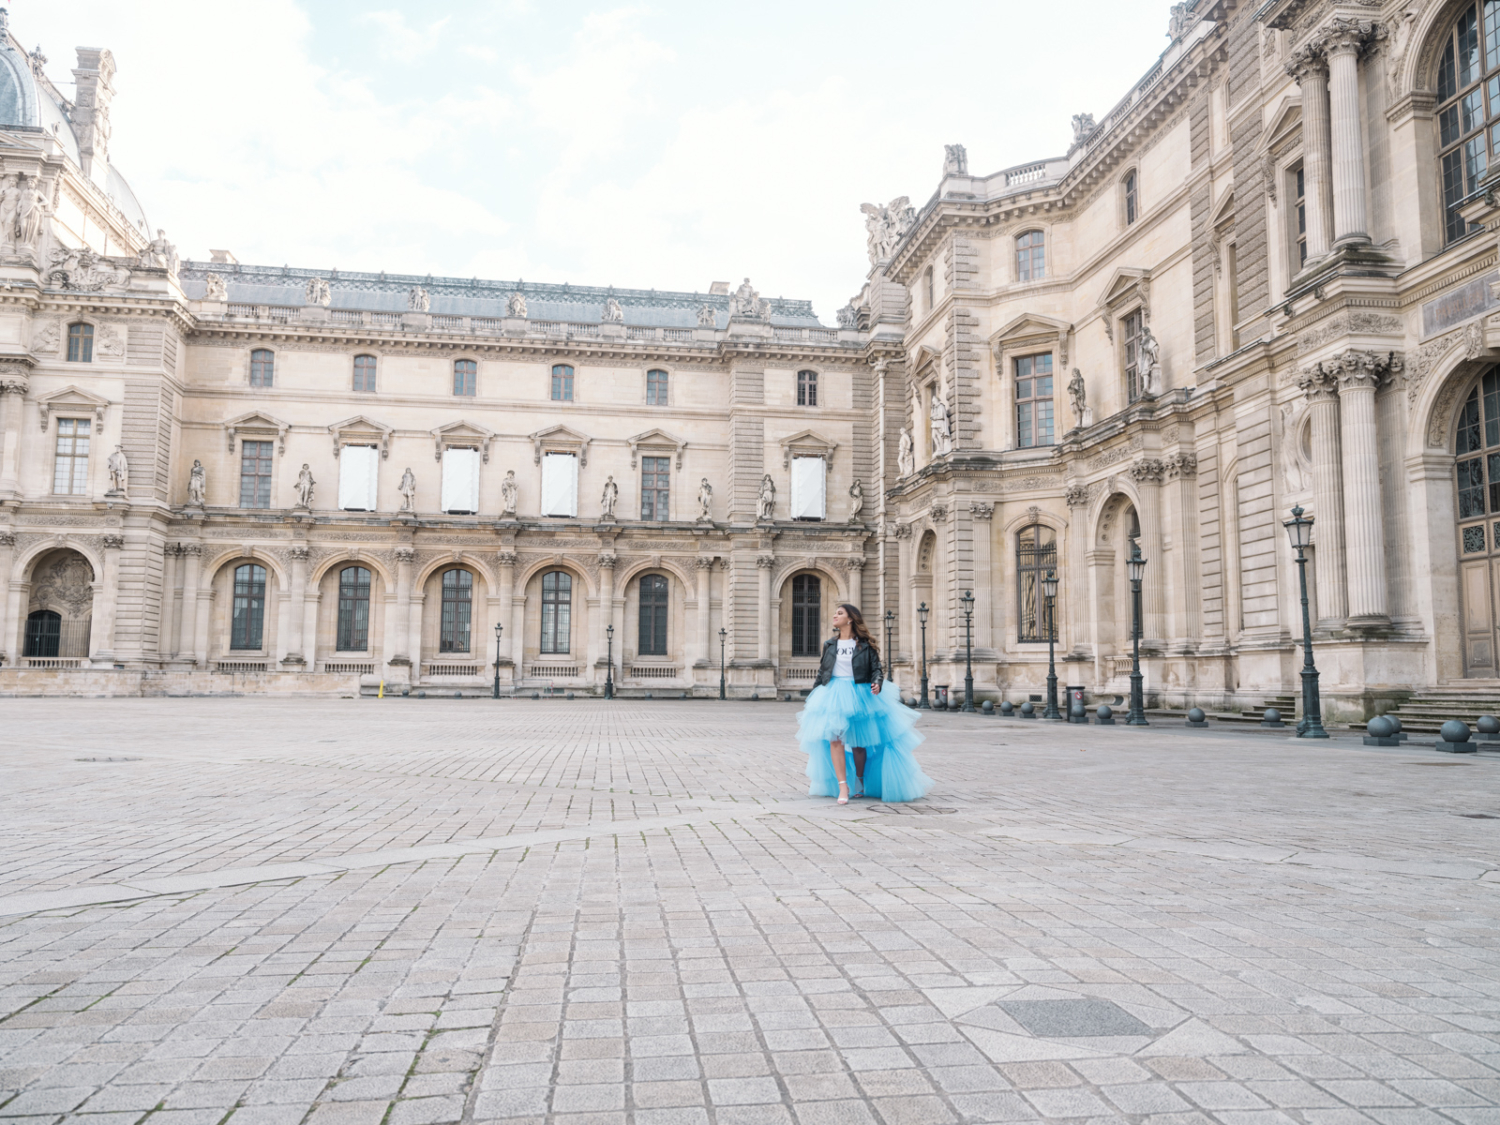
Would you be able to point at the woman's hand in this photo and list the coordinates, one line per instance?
(875, 689)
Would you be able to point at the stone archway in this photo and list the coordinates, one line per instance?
(59, 611)
(1117, 528)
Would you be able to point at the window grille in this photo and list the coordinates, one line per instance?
(653, 619)
(1036, 554)
(458, 601)
(557, 612)
(249, 610)
(354, 609)
(1468, 97)
(807, 615)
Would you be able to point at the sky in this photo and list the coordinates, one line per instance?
(652, 145)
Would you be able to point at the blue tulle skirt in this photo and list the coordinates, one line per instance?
(885, 727)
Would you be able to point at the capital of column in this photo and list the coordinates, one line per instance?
(854, 564)
(7, 539)
(187, 550)
(1346, 35)
(607, 560)
(903, 531)
(1319, 384)
(14, 384)
(1358, 369)
(1078, 496)
(1307, 62)
(938, 512)
(505, 558)
(765, 562)
(703, 562)
(112, 542)
(405, 555)
(1182, 465)
(299, 553)
(981, 511)
(1149, 470)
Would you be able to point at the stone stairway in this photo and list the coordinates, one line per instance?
(1250, 713)
(1427, 711)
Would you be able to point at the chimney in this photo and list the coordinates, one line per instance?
(223, 256)
(95, 73)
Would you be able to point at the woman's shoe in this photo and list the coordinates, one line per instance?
(859, 788)
(843, 793)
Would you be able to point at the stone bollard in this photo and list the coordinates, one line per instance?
(1028, 710)
(1455, 739)
(1272, 718)
(1196, 717)
(1489, 729)
(1379, 732)
(1105, 715)
(1396, 732)
(988, 707)
(1007, 710)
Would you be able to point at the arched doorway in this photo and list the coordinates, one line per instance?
(1476, 446)
(1119, 527)
(59, 610)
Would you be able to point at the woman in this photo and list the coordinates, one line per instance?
(845, 711)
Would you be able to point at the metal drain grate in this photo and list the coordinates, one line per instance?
(1068, 1019)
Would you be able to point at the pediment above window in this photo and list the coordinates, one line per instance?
(808, 443)
(360, 430)
(462, 434)
(257, 426)
(656, 443)
(74, 401)
(560, 439)
(1028, 333)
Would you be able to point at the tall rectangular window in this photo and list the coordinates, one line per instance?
(929, 290)
(1132, 334)
(364, 373)
(460, 487)
(458, 606)
(809, 488)
(559, 484)
(80, 343)
(262, 367)
(255, 474)
(557, 612)
(652, 638)
(656, 484)
(1301, 219)
(70, 472)
(359, 471)
(248, 613)
(1036, 555)
(354, 609)
(656, 388)
(562, 383)
(807, 615)
(465, 377)
(807, 388)
(1132, 197)
(1033, 400)
(1031, 256)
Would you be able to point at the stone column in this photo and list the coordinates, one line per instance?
(763, 564)
(1075, 594)
(704, 564)
(507, 561)
(607, 561)
(1321, 388)
(1310, 69)
(295, 619)
(1148, 475)
(1343, 41)
(171, 585)
(398, 642)
(13, 386)
(7, 562)
(1182, 491)
(1359, 373)
(102, 627)
(985, 592)
(414, 630)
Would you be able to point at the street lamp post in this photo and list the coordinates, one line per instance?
(890, 621)
(723, 636)
(1049, 591)
(922, 617)
(609, 667)
(1136, 568)
(968, 603)
(1299, 529)
(498, 629)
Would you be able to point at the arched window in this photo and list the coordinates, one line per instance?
(262, 367)
(1462, 115)
(1036, 554)
(465, 378)
(80, 343)
(656, 388)
(653, 624)
(807, 388)
(557, 612)
(458, 605)
(364, 373)
(807, 615)
(248, 616)
(562, 383)
(43, 633)
(1031, 256)
(1132, 197)
(354, 609)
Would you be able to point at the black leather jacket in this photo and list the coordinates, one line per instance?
(866, 663)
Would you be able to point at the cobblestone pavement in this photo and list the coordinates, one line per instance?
(409, 912)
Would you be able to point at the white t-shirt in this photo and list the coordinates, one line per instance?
(843, 667)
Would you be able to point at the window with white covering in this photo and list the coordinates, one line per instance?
(809, 488)
(359, 472)
(460, 481)
(559, 484)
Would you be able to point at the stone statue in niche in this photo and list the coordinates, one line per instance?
(119, 472)
(418, 299)
(214, 288)
(766, 504)
(318, 292)
(610, 498)
(613, 313)
(1078, 393)
(32, 209)
(408, 490)
(942, 427)
(305, 485)
(705, 501)
(857, 495)
(1150, 363)
(906, 456)
(515, 305)
(510, 494)
(197, 485)
(1292, 471)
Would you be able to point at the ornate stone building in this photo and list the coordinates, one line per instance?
(1265, 278)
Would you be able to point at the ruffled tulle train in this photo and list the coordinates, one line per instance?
(885, 727)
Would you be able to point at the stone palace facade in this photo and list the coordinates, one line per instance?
(1266, 278)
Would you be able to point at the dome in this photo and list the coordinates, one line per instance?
(122, 197)
(18, 92)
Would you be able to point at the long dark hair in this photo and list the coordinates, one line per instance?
(857, 625)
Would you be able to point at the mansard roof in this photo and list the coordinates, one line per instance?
(460, 296)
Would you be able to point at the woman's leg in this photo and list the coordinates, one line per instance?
(859, 762)
(836, 753)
